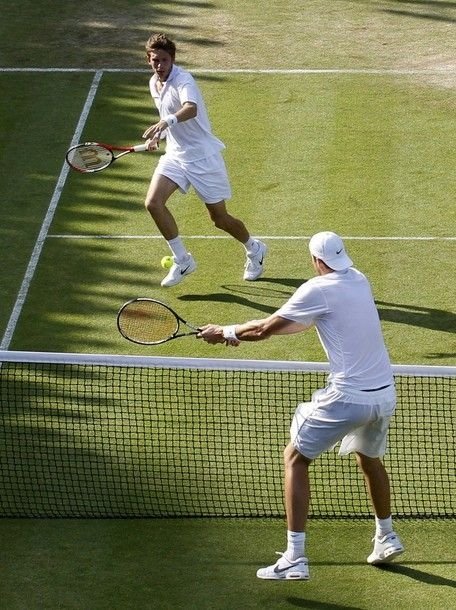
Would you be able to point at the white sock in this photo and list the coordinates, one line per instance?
(383, 526)
(178, 249)
(252, 246)
(296, 542)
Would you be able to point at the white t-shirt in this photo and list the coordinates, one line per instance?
(190, 140)
(341, 306)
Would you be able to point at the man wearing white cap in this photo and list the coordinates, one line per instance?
(354, 408)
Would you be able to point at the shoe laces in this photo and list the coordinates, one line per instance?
(252, 262)
(292, 562)
(385, 538)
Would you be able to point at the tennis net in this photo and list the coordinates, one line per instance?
(129, 436)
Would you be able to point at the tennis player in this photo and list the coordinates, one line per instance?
(354, 408)
(193, 158)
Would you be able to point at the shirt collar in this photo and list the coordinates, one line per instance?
(172, 75)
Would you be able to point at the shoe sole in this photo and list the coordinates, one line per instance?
(296, 577)
(386, 559)
(183, 276)
(252, 279)
(286, 574)
(288, 577)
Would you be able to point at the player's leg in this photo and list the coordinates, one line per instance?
(377, 482)
(387, 545)
(293, 564)
(315, 428)
(297, 492)
(160, 190)
(255, 249)
(312, 431)
(368, 442)
(226, 222)
(211, 183)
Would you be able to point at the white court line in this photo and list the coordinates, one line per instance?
(380, 71)
(31, 268)
(269, 237)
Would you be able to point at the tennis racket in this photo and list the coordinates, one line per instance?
(150, 322)
(92, 157)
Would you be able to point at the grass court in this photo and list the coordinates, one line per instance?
(336, 116)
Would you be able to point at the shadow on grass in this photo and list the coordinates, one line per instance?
(419, 575)
(441, 355)
(426, 317)
(314, 605)
(111, 36)
(225, 297)
(248, 295)
(419, 15)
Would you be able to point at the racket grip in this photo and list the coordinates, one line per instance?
(140, 148)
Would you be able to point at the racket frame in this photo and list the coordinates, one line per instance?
(176, 334)
(124, 150)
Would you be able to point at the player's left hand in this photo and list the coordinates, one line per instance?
(155, 131)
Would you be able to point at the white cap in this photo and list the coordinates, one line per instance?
(329, 248)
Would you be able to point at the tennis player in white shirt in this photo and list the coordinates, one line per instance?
(354, 408)
(193, 158)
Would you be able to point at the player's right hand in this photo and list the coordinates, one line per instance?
(153, 144)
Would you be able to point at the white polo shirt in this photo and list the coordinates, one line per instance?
(341, 306)
(190, 140)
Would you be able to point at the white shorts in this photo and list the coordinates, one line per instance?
(208, 176)
(359, 419)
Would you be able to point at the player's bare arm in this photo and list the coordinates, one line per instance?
(254, 330)
(188, 111)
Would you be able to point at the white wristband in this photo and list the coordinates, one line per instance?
(171, 119)
(229, 332)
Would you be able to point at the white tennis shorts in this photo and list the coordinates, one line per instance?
(208, 176)
(358, 419)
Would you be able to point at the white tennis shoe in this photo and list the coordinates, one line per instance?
(284, 569)
(254, 265)
(385, 549)
(178, 271)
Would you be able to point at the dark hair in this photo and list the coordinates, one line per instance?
(161, 41)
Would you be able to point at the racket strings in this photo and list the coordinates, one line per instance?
(147, 322)
(89, 157)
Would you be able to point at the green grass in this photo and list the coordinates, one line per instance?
(211, 565)
(366, 154)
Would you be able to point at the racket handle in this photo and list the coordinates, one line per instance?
(140, 147)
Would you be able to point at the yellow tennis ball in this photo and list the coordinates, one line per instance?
(167, 262)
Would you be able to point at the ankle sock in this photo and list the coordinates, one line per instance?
(252, 246)
(178, 249)
(295, 544)
(383, 526)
